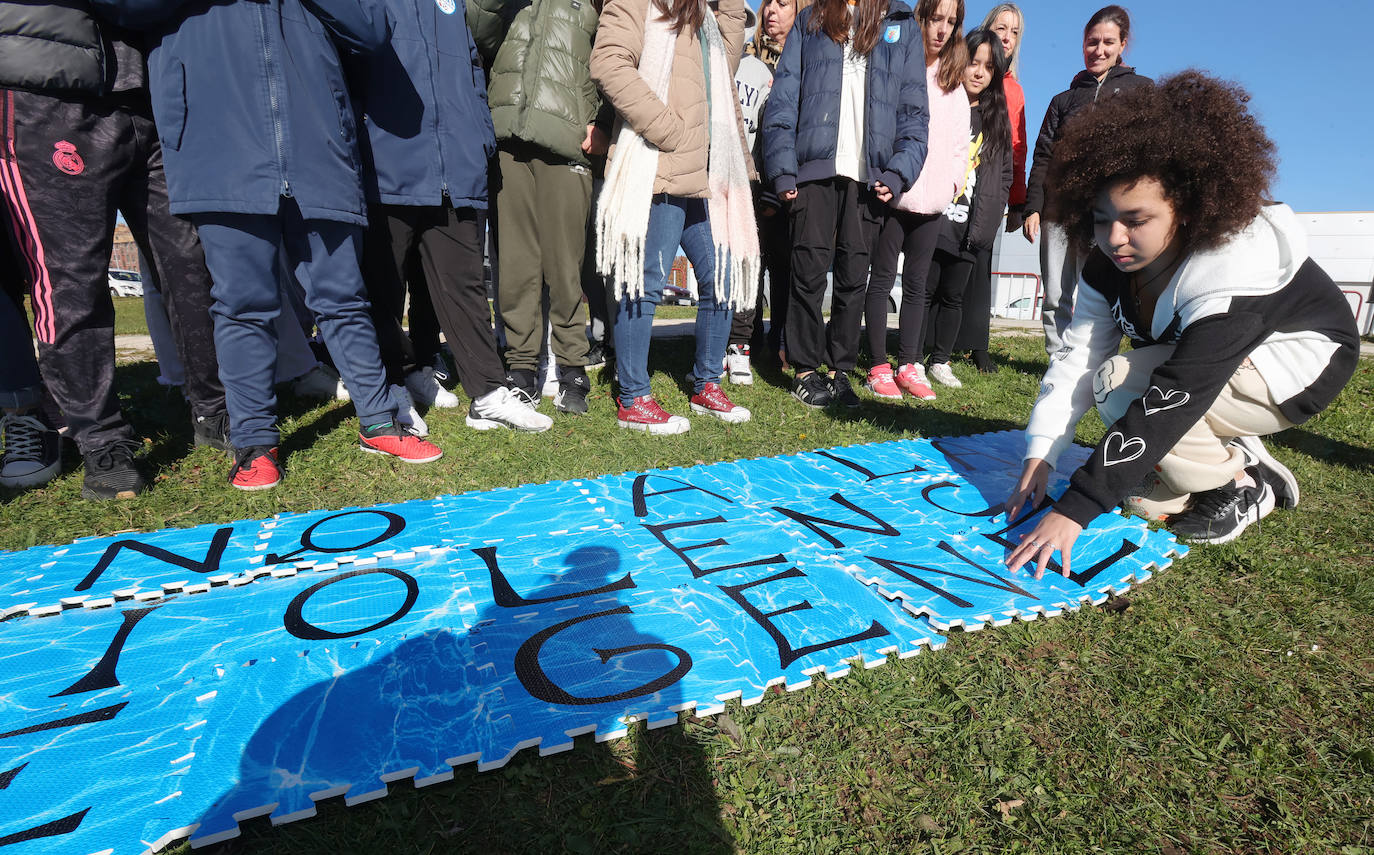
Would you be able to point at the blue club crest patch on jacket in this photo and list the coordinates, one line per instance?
(893, 33)
(448, 7)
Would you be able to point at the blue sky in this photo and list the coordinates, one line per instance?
(1304, 63)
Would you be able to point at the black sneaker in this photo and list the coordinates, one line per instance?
(597, 354)
(33, 451)
(1220, 515)
(841, 392)
(983, 362)
(1276, 475)
(111, 473)
(523, 383)
(213, 431)
(573, 388)
(812, 389)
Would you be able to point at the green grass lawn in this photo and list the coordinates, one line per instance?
(1228, 708)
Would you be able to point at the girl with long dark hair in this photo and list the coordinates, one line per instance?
(969, 225)
(913, 226)
(1105, 39)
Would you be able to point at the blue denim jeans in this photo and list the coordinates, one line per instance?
(673, 221)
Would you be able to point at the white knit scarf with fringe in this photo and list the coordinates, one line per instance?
(622, 213)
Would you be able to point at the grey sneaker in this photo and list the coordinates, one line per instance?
(33, 451)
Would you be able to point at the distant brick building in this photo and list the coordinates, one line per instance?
(124, 256)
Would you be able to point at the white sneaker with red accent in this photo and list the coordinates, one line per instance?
(645, 414)
(712, 401)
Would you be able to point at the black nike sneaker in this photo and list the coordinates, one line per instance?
(1220, 515)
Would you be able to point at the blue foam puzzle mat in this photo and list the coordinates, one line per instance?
(157, 686)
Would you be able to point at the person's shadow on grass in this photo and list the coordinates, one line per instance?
(532, 662)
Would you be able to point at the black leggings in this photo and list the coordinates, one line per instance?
(949, 278)
(914, 235)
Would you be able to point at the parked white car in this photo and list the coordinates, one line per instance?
(1020, 309)
(125, 283)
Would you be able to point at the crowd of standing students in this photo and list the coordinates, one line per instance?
(358, 154)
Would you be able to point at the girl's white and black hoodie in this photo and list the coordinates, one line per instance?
(1258, 296)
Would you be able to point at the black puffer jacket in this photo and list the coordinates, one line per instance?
(62, 48)
(1082, 93)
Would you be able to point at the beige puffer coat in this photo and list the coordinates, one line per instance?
(679, 128)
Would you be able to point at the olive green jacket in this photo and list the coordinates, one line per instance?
(541, 88)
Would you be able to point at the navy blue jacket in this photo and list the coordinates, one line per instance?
(801, 118)
(251, 102)
(426, 125)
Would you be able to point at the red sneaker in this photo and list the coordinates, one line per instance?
(255, 468)
(645, 414)
(712, 401)
(912, 380)
(398, 442)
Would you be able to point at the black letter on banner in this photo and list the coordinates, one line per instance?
(506, 596)
(925, 494)
(90, 717)
(538, 684)
(814, 523)
(865, 471)
(213, 555)
(66, 825)
(102, 676)
(297, 625)
(893, 567)
(637, 492)
(681, 551)
(786, 654)
(395, 524)
(1082, 578)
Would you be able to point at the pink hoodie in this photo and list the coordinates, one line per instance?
(943, 174)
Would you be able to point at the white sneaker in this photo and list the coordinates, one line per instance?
(1278, 476)
(425, 389)
(941, 373)
(320, 382)
(407, 415)
(737, 367)
(502, 408)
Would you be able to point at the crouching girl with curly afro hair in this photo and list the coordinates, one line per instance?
(1235, 331)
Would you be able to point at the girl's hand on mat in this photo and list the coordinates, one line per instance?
(1055, 532)
(1034, 481)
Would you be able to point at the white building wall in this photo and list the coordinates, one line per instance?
(1342, 242)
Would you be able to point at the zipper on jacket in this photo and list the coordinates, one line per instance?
(275, 104)
(434, 95)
